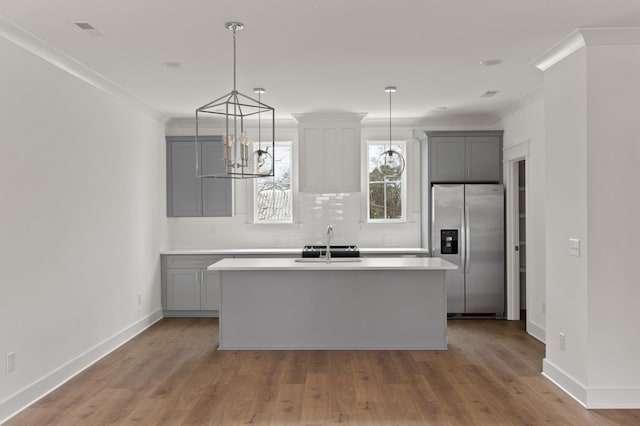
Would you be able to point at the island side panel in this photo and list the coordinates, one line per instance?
(390, 309)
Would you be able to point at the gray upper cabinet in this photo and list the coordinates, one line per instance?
(188, 195)
(465, 156)
(447, 154)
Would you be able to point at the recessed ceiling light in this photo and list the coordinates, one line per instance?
(489, 93)
(84, 25)
(87, 27)
(174, 65)
(491, 62)
(439, 108)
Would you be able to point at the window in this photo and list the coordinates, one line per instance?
(272, 195)
(386, 198)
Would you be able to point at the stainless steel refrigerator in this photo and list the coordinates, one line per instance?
(467, 228)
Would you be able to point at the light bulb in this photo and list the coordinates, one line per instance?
(263, 162)
(391, 163)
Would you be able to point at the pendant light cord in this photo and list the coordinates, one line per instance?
(259, 122)
(234, 59)
(390, 92)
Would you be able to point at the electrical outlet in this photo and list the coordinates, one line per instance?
(139, 299)
(574, 247)
(11, 362)
(563, 342)
(213, 229)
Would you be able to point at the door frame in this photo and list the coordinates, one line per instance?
(511, 156)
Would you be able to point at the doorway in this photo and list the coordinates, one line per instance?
(516, 172)
(521, 247)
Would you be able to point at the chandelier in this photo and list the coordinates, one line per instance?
(391, 163)
(240, 160)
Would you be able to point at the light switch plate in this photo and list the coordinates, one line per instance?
(574, 247)
(11, 362)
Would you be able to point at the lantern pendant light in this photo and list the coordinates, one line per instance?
(391, 163)
(238, 163)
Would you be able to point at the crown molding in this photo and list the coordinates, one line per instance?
(561, 50)
(604, 36)
(600, 36)
(64, 62)
(524, 101)
(219, 123)
(329, 115)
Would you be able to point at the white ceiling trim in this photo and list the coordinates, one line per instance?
(586, 37)
(560, 51)
(610, 36)
(524, 101)
(55, 57)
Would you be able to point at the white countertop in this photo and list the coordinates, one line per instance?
(293, 251)
(374, 263)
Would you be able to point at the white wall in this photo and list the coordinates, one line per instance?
(592, 174)
(526, 126)
(566, 120)
(80, 223)
(613, 209)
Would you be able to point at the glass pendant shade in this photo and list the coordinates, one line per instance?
(239, 160)
(263, 162)
(391, 163)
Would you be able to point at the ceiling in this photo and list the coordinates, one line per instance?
(319, 55)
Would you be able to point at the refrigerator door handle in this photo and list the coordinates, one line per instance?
(467, 238)
(463, 239)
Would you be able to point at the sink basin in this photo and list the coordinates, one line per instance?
(333, 260)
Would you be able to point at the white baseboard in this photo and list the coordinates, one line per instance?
(592, 398)
(564, 381)
(536, 331)
(621, 398)
(27, 396)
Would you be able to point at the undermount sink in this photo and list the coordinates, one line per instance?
(323, 260)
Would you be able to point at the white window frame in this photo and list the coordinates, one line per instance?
(403, 182)
(254, 191)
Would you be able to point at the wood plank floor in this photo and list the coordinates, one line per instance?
(172, 374)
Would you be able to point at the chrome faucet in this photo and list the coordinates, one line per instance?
(327, 256)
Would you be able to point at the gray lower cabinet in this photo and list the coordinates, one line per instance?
(188, 289)
(188, 195)
(456, 157)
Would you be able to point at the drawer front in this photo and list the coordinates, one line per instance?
(190, 261)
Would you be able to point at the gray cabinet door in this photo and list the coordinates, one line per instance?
(210, 299)
(183, 289)
(188, 195)
(447, 158)
(465, 157)
(483, 159)
(216, 193)
(184, 195)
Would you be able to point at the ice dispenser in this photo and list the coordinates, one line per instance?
(449, 241)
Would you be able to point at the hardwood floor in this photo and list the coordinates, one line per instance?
(172, 374)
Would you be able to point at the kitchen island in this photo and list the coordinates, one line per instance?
(366, 303)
